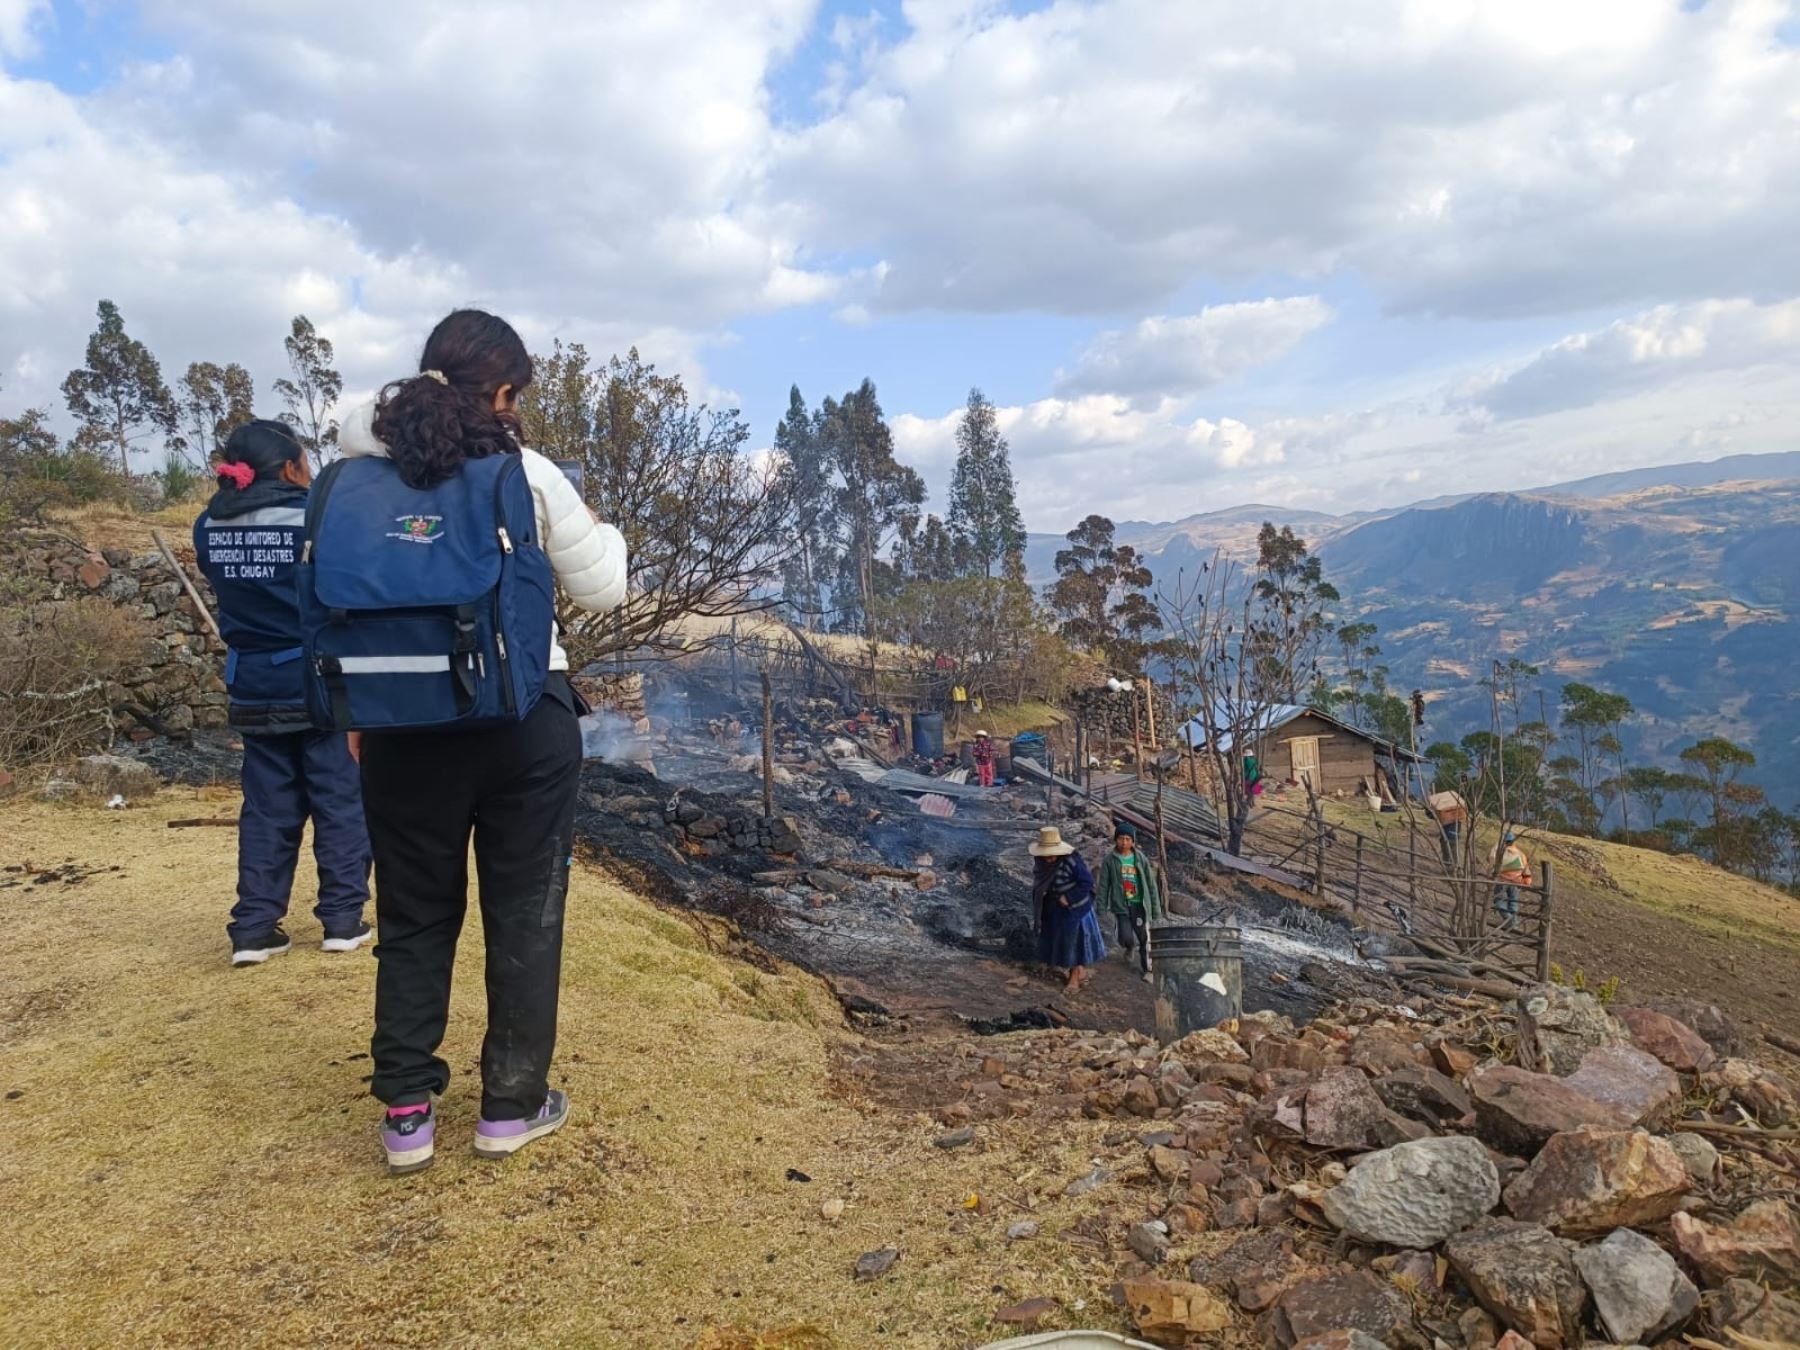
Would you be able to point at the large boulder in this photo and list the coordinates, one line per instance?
(1639, 1292)
(1171, 1311)
(1592, 1181)
(1765, 1094)
(1642, 1087)
(109, 776)
(1673, 1042)
(1723, 1035)
(1253, 1270)
(1760, 1314)
(1380, 1049)
(1424, 1094)
(1209, 1045)
(1340, 1109)
(1697, 1154)
(1524, 1275)
(1415, 1195)
(1557, 1026)
(1517, 1110)
(1342, 1301)
(1762, 1243)
(1342, 1340)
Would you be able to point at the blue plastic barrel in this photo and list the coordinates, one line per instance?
(928, 734)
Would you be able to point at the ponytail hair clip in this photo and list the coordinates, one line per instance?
(437, 375)
(239, 476)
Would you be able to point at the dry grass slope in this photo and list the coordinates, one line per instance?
(190, 1153)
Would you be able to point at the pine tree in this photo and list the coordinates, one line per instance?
(313, 391)
(984, 510)
(119, 396)
(806, 472)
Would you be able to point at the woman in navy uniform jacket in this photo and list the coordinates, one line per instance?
(248, 541)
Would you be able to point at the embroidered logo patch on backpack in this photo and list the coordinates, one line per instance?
(418, 529)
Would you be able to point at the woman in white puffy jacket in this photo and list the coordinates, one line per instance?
(513, 788)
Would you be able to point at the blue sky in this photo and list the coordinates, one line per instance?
(1334, 254)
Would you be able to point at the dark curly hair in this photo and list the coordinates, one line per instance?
(262, 447)
(445, 415)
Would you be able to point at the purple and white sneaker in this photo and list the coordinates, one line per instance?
(408, 1134)
(498, 1138)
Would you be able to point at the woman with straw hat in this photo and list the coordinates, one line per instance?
(1063, 891)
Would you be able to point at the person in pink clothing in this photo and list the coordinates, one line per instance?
(984, 759)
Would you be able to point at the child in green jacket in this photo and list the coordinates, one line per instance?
(1128, 887)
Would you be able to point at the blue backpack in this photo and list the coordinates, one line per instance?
(423, 608)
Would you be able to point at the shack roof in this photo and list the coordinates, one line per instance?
(1271, 718)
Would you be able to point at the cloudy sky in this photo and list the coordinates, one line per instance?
(1325, 253)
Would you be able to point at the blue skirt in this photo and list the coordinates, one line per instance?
(1071, 937)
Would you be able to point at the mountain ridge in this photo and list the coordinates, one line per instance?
(1679, 587)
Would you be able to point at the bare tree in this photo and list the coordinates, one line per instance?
(1235, 656)
(707, 526)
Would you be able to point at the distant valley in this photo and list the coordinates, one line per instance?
(1677, 586)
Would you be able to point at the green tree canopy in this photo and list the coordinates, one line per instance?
(119, 396)
(984, 510)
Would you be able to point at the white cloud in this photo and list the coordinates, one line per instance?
(375, 166)
(1162, 461)
(1670, 342)
(1178, 356)
(1471, 157)
(18, 19)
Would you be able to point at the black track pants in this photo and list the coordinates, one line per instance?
(423, 793)
(1134, 931)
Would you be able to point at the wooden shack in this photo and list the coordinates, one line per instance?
(1299, 744)
(1308, 747)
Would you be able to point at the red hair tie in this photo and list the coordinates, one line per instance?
(239, 475)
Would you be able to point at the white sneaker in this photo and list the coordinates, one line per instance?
(348, 939)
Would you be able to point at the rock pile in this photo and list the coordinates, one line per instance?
(712, 833)
(1376, 1180)
(177, 684)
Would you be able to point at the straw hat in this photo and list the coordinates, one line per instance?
(1050, 844)
(981, 733)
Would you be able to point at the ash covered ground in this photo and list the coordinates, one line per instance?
(951, 937)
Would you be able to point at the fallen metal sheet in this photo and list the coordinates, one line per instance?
(903, 780)
(936, 804)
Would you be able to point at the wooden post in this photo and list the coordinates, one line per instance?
(1162, 844)
(1319, 848)
(1150, 710)
(768, 700)
(1356, 886)
(162, 547)
(1544, 914)
(1137, 736)
(1412, 863)
(734, 660)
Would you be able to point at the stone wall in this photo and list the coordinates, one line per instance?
(180, 685)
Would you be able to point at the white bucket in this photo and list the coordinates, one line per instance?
(1070, 1340)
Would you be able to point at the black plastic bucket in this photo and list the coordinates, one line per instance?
(1198, 975)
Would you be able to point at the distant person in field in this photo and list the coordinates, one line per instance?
(984, 759)
(1062, 890)
(1515, 870)
(1129, 888)
(247, 543)
(510, 786)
